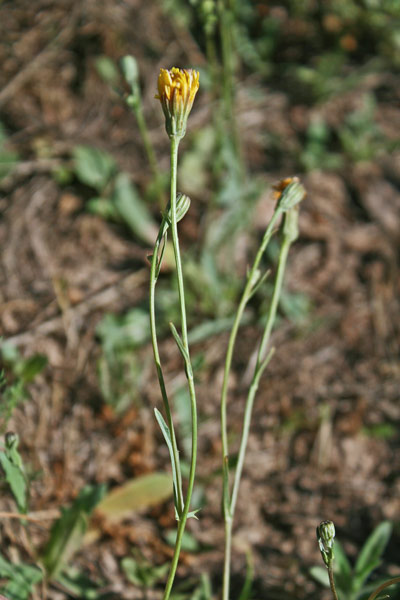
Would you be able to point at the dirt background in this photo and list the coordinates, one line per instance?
(62, 269)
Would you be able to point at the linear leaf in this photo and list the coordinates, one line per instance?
(21, 579)
(374, 547)
(67, 533)
(167, 436)
(16, 480)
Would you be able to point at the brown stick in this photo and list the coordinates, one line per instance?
(33, 517)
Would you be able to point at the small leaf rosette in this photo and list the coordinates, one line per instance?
(177, 89)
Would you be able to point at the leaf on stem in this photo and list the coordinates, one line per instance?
(182, 348)
(167, 436)
(12, 465)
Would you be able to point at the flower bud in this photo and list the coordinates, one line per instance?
(130, 70)
(326, 531)
(326, 538)
(11, 440)
(289, 192)
(177, 89)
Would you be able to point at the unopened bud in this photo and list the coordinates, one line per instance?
(11, 439)
(289, 192)
(326, 538)
(130, 70)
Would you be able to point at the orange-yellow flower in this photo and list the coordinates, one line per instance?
(177, 89)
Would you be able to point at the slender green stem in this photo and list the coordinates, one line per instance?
(153, 330)
(227, 558)
(181, 291)
(245, 434)
(274, 301)
(332, 582)
(261, 364)
(235, 327)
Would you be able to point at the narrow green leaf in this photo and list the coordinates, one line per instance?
(248, 582)
(16, 480)
(132, 210)
(79, 585)
(343, 571)
(192, 514)
(320, 574)
(142, 573)
(362, 576)
(67, 533)
(182, 349)
(374, 547)
(28, 368)
(21, 579)
(341, 561)
(258, 283)
(167, 436)
(93, 167)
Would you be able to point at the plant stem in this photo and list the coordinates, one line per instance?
(261, 364)
(189, 374)
(332, 582)
(383, 586)
(156, 354)
(235, 327)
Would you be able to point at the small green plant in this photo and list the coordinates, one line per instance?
(14, 471)
(23, 372)
(141, 572)
(360, 135)
(117, 198)
(66, 535)
(119, 366)
(347, 582)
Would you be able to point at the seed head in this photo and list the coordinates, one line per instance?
(177, 89)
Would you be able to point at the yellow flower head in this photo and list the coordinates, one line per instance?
(177, 89)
